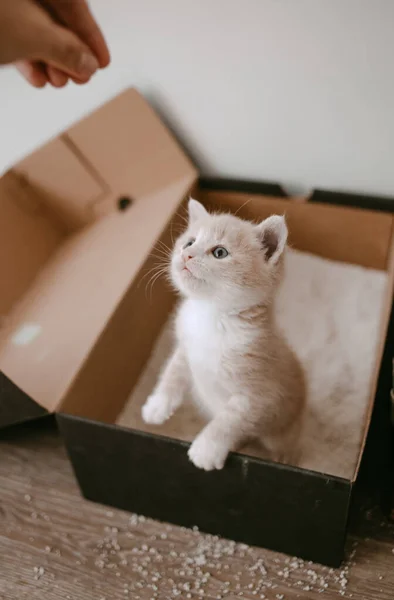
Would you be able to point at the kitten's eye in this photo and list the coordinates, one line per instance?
(189, 243)
(220, 252)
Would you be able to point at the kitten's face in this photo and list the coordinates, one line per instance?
(226, 259)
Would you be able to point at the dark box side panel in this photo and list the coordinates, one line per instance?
(284, 509)
(339, 198)
(377, 466)
(15, 405)
(367, 201)
(266, 188)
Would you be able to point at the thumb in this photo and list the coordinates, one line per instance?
(62, 49)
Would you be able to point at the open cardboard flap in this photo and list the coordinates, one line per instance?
(78, 219)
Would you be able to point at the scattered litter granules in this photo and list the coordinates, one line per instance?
(205, 566)
(38, 572)
(137, 557)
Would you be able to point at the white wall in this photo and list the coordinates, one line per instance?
(297, 91)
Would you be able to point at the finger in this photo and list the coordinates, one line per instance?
(62, 49)
(33, 72)
(76, 15)
(79, 81)
(56, 78)
(74, 79)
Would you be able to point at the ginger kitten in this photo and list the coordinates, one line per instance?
(242, 373)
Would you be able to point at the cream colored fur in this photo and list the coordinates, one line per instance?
(244, 376)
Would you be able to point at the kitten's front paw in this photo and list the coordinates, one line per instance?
(156, 410)
(205, 453)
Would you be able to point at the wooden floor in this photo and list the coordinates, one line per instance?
(55, 545)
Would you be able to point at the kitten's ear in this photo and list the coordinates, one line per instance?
(272, 234)
(196, 210)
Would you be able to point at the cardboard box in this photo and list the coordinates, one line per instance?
(79, 220)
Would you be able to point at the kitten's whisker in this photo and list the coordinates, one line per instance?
(162, 246)
(160, 264)
(153, 270)
(171, 235)
(242, 206)
(183, 217)
(153, 280)
(162, 252)
(161, 260)
(179, 226)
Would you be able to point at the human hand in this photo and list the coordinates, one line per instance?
(51, 40)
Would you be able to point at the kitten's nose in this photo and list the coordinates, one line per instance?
(187, 257)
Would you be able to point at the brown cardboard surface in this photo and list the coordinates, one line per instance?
(63, 184)
(69, 254)
(104, 382)
(28, 238)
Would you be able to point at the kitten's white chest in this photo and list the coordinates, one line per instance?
(204, 337)
(201, 331)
